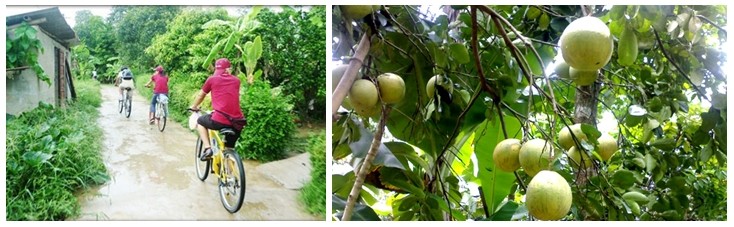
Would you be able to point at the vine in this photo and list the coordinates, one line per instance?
(22, 51)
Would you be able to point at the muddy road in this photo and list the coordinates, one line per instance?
(152, 175)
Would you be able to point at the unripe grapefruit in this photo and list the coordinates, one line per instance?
(566, 140)
(587, 44)
(536, 155)
(438, 80)
(549, 196)
(562, 69)
(392, 88)
(582, 78)
(363, 94)
(506, 155)
(607, 147)
(336, 75)
(577, 156)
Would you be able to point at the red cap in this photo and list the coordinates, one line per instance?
(222, 63)
(159, 68)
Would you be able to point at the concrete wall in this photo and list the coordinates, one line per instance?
(24, 91)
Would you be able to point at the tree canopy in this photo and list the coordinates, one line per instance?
(500, 75)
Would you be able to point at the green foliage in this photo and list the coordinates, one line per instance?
(22, 48)
(313, 194)
(99, 39)
(173, 48)
(52, 153)
(269, 125)
(135, 28)
(294, 56)
(668, 107)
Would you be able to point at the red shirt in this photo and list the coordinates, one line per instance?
(225, 90)
(161, 83)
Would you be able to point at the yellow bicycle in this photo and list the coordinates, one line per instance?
(226, 164)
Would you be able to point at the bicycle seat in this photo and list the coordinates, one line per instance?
(128, 88)
(227, 131)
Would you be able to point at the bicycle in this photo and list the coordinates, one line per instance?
(161, 111)
(126, 103)
(231, 175)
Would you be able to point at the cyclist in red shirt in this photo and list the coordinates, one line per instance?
(225, 90)
(160, 79)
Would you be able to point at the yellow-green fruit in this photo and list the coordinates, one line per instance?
(347, 103)
(627, 50)
(536, 155)
(566, 140)
(582, 78)
(356, 11)
(635, 196)
(607, 147)
(363, 94)
(634, 207)
(506, 155)
(562, 69)
(548, 196)
(577, 156)
(336, 75)
(367, 111)
(392, 88)
(587, 44)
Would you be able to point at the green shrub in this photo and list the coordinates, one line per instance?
(269, 125)
(313, 194)
(52, 153)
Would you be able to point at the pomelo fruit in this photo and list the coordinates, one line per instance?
(536, 155)
(363, 94)
(566, 140)
(506, 155)
(587, 44)
(579, 157)
(392, 88)
(548, 196)
(582, 78)
(607, 147)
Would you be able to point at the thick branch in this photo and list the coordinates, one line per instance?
(712, 23)
(351, 74)
(366, 164)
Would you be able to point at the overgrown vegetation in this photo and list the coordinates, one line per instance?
(22, 50)
(51, 154)
(313, 194)
(269, 127)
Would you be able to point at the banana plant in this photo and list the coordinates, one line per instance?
(250, 51)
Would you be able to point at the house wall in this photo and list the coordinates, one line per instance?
(24, 91)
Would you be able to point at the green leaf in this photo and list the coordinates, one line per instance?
(360, 212)
(706, 153)
(506, 211)
(459, 53)
(650, 163)
(384, 157)
(35, 158)
(544, 22)
(623, 178)
(342, 184)
(398, 178)
(665, 144)
(404, 151)
(495, 183)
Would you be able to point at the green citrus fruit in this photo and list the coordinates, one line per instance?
(586, 44)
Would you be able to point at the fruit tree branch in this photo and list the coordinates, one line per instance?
(712, 23)
(665, 53)
(366, 164)
(350, 75)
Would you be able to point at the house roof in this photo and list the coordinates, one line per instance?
(54, 24)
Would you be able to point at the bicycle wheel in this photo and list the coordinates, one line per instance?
(129, 107)
(121, 104)
(160, 116)
(232, 185)
(202, 167)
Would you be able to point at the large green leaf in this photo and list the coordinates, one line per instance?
(496, 184)
(360, 212)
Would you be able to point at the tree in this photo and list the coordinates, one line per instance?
(99, 38)
(294, 57)
(496, 64)
(135, 29)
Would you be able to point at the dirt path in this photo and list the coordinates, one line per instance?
(152, 175)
